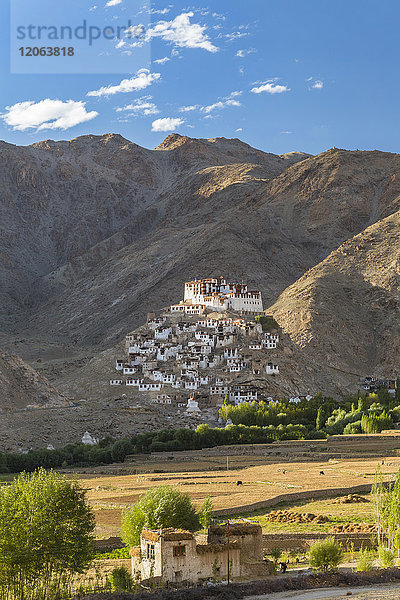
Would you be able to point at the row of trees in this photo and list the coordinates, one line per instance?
(164, 440)
(320, 416)
(252, 423)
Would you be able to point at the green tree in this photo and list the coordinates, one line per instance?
(46, 534)
(325, 555)
(160, 507)
(205, 513)
(320, 420)
(119, 450)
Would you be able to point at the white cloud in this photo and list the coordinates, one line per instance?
(161, 61)
(189, 108)
(286, 132)
(243, 53)
(159, 11)
(314, 84)
(47, 114)
(239, 129)
(228, 101)
(93, 8)
(235, 35)
(220, 104)
(166, 124)
(270, 88)
(181, 32)
(317, 85)
(113, 2)
(141, 106)
(140, 81)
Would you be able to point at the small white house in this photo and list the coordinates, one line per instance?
(129, 370)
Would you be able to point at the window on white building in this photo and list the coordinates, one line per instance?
(150, 552)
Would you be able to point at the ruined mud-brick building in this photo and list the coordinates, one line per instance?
(171, 555)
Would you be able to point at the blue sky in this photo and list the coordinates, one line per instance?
(279, 75)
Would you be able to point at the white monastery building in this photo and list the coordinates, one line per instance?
(217, 294)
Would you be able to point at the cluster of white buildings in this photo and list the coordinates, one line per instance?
(175, 355)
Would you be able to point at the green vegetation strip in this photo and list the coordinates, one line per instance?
(252, 423)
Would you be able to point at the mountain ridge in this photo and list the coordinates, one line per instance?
(98, 231)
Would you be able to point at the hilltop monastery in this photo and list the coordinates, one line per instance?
(202, 348)
(218, 295)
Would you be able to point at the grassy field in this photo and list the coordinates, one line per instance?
(264, 476)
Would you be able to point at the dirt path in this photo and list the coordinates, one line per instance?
(389, 591)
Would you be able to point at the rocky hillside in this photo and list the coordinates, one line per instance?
(345, 312)
(97, 231)
(22, 387)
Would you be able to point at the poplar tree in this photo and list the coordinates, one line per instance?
(46, 535)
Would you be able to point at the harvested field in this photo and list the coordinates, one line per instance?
(338, 516)
(266, 472)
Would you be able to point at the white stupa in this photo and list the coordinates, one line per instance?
(192, 406)
(88, 439)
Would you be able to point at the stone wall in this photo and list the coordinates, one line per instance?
(293, 497)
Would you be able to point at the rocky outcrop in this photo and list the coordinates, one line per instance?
(22, 387)
(344, 312)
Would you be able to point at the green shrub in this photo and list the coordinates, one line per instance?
(352, 428)
(365, 560)
(276, 553)
(115, 554)
(386, 557)
(325, 555)
(267, 322)
(121, 580)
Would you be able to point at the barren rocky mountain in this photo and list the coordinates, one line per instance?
(85, 219)
(96, 232)
(346, 309)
